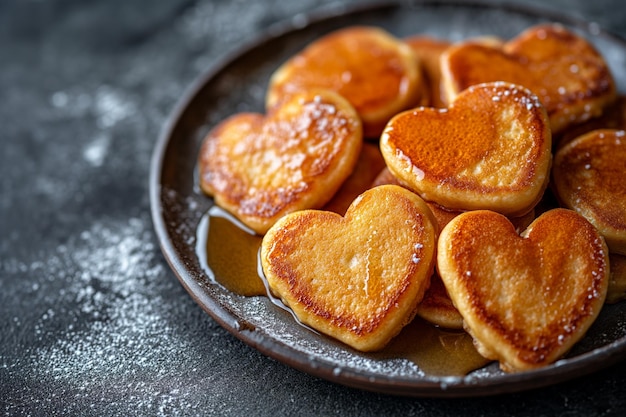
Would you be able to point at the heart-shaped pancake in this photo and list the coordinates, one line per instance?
(590, 177)
(357, 278)
(376, 72)
(260, 167)
(491, 149)
(571, 78)
(525, 299)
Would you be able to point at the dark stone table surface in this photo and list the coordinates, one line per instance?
(92, 320)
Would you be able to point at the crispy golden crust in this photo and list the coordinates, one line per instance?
(357, 278)
(589, 176)
(377, 73)
(297, 156)
(491, 149)
(570, 77)
(525, 300)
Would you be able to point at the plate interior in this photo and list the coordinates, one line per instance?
(237, 84)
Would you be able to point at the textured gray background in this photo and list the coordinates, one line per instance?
(92, 321)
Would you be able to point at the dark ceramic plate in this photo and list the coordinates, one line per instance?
(237, 83)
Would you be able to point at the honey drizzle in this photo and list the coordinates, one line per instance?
(229, 253)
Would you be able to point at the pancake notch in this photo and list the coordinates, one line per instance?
(356, 278)
(368, 166)
(428, 51)
(524, 299)
(491, 149)
(376, 72)
(261, 167)
(589, 176)
(568, 74)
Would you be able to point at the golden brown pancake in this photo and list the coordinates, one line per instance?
(368, 166)
(617, 279)
(589, 176)
(491, 149)
(260, 167)
(356, 278)
(567, 73)
(372, 69)
(524, 299)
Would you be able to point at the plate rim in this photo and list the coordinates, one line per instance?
(434, 386)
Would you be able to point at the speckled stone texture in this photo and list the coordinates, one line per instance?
(92, 320)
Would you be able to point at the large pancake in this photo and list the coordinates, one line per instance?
(570, 77)
(356, 278)
(525, 299)
(376, 72)
(260, 167)
(589, 176)
(491, 149)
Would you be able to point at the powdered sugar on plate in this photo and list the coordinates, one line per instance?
(113, 284)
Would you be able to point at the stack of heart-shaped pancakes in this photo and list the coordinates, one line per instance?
(353, 229)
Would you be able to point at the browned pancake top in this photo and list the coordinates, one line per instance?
(260, 167)
(358, 277)
(374, 71)
(563, 69)
(590, 177)
(535, 295)
(490, 149)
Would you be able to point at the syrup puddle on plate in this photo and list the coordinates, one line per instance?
(228, 252)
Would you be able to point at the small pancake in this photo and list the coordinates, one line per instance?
(376, 72)
(370, 163)
(570, 77)
(589, 176)
(526, 300)
(357, 278)
(260, 167)
(617, 279)
(491, 149)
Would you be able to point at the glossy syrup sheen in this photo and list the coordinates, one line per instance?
(228, 252)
